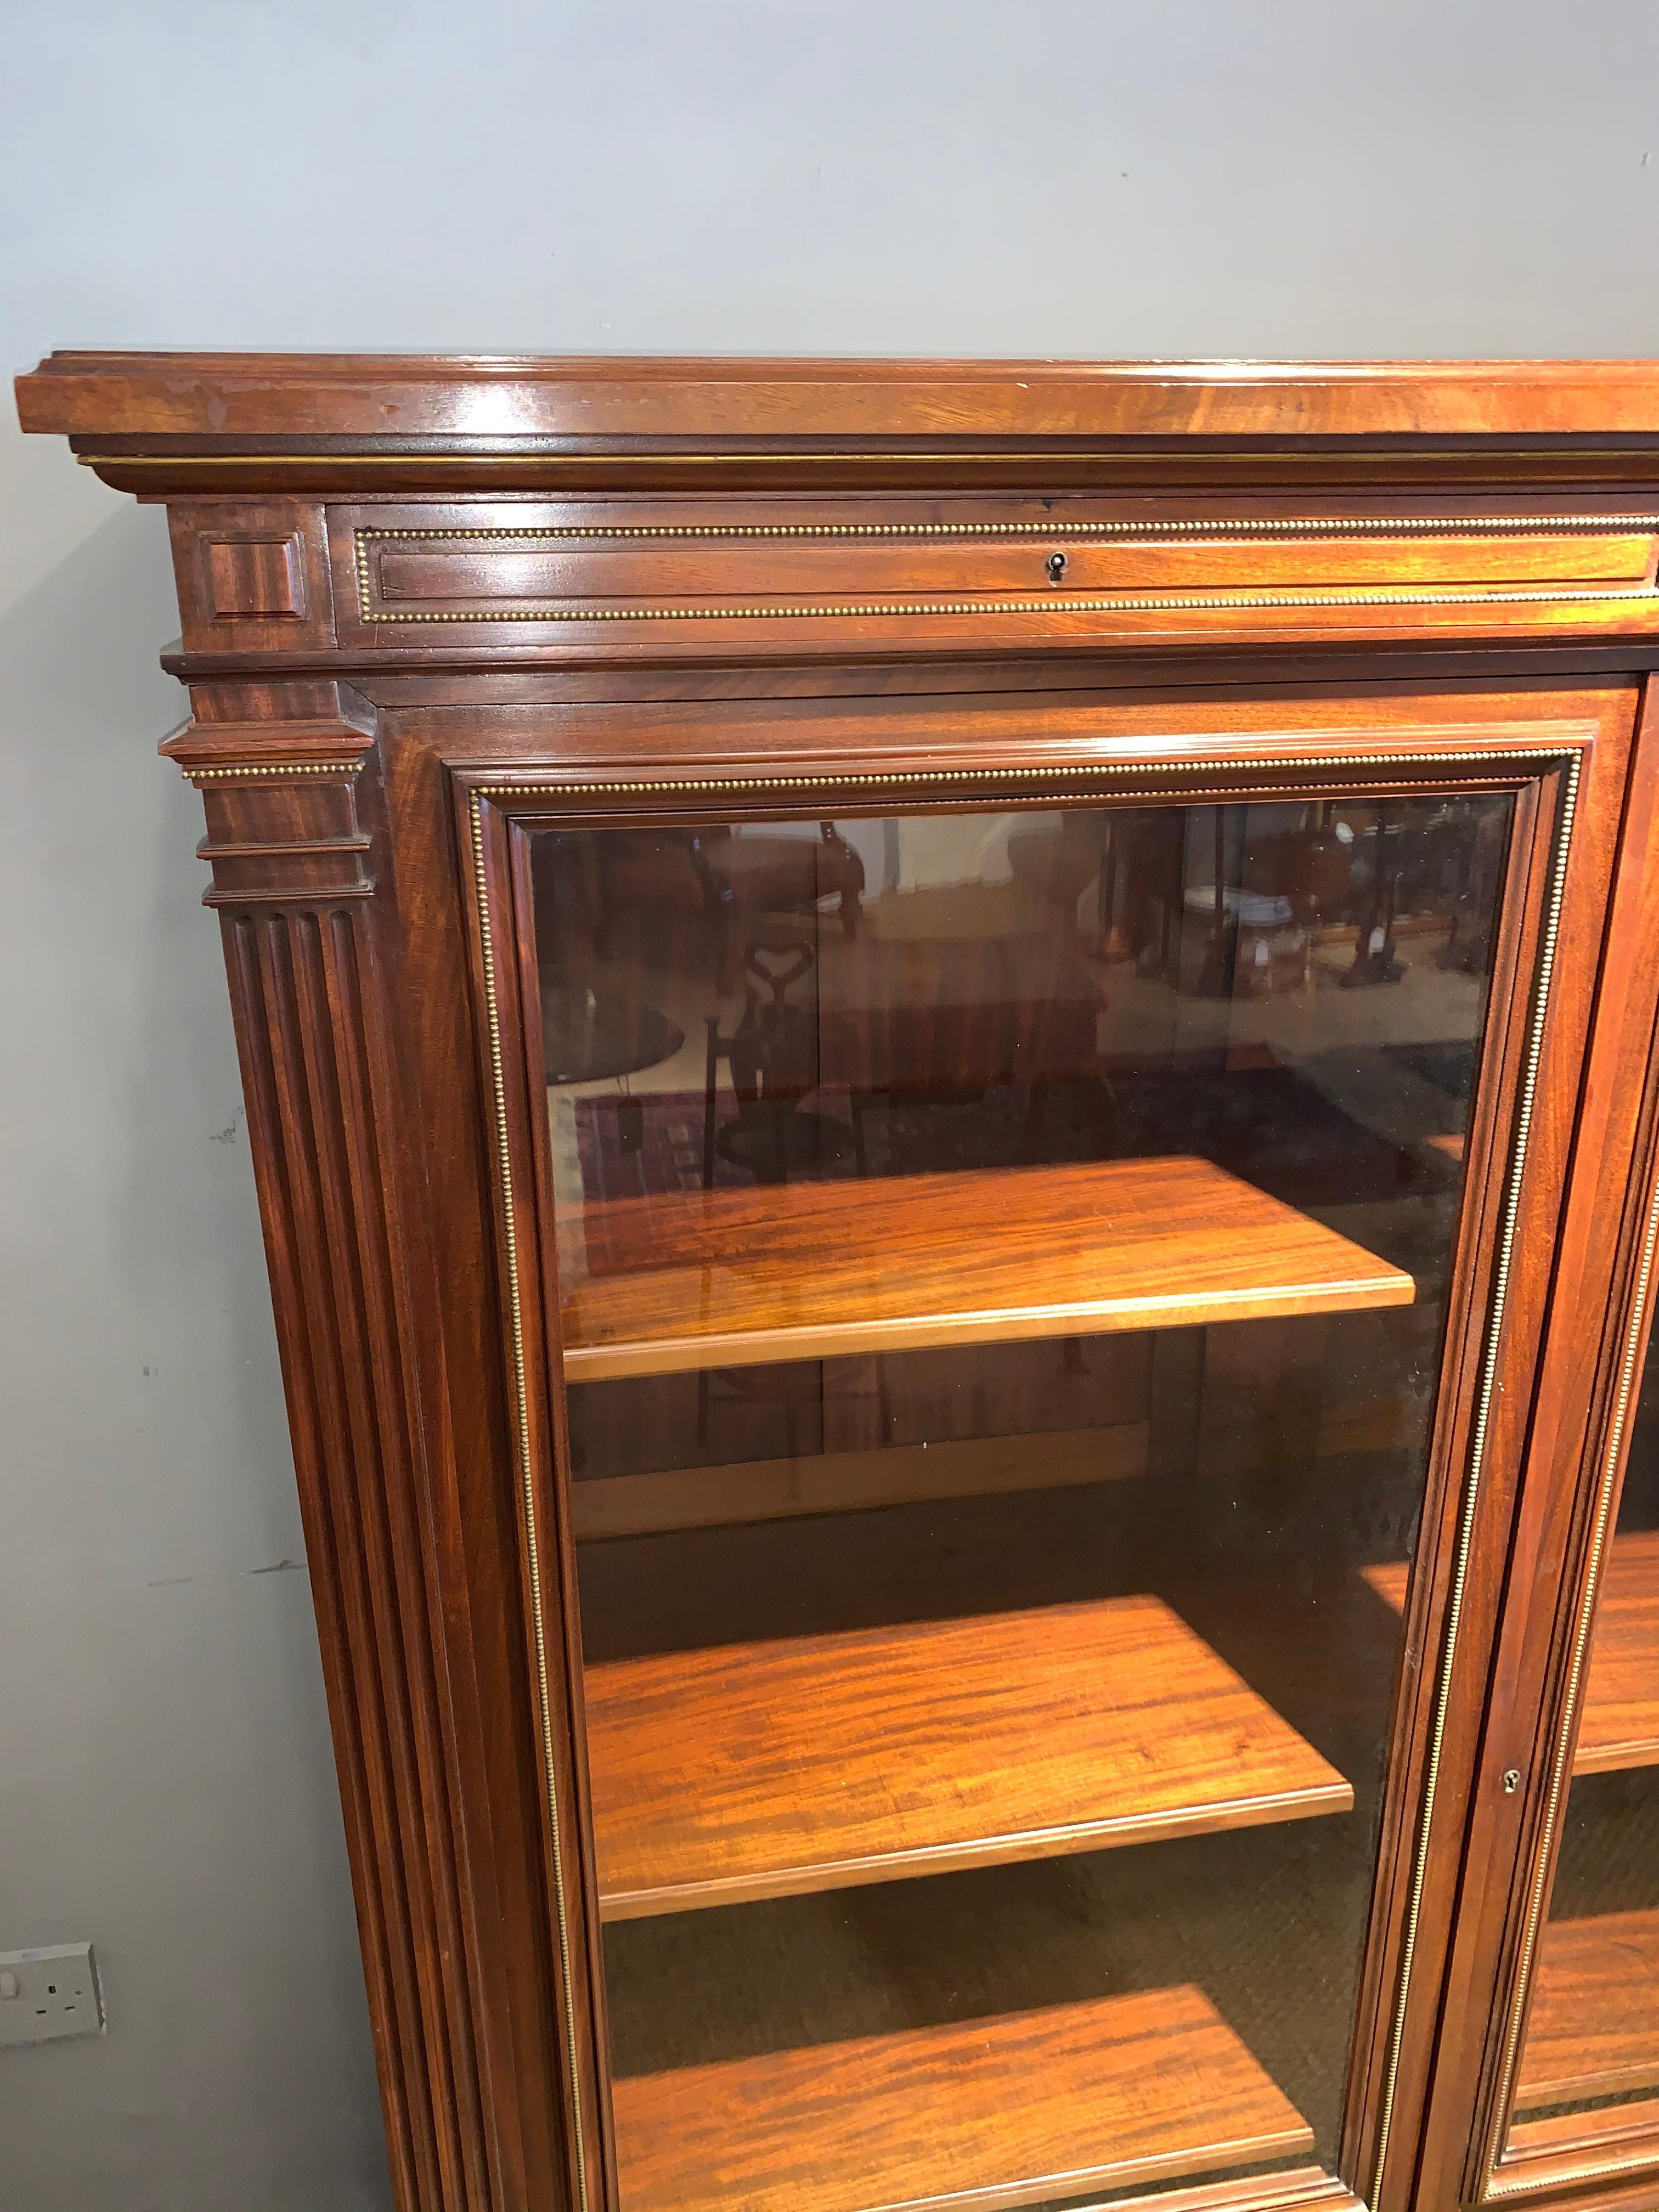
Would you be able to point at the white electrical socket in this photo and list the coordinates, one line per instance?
(49, 1993)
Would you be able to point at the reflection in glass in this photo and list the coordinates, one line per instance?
(1003, 1260)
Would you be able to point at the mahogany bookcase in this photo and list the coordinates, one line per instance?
(952, 1069)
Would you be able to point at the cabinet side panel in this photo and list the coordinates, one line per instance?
(306, 953)
(303, 985)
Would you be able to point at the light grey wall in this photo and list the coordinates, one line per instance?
(1275, 176)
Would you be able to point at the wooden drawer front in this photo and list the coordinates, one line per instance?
(1099, 577)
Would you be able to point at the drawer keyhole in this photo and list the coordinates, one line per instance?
(1056, 567)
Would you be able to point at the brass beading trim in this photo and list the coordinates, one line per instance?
(1218, 603)
(286, 770)
(859, 778)
(1241, 528)
(1229, 531)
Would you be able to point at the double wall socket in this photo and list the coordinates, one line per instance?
(48, 1993)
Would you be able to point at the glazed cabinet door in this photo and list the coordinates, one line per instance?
(1581, 2059)
(1025, 1234)
(1554, 2098)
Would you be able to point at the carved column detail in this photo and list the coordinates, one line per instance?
(306, 949)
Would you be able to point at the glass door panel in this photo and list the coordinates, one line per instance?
(1004, 1265)
(1587, 2066)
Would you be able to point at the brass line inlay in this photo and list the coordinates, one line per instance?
(1560, 1775)
(1572, 757)
(355, 841)
(1477, 1453)
(600, 452)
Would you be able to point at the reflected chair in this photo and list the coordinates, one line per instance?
(745, 878)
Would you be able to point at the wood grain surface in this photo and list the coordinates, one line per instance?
(1594, 2025)
(604, 579)
(1603, 2133)
(1619, 1725)
(986, 2113)
(424, 1417)
(467, 575)
(490, 397)
(816, 1762)
(797, 1270)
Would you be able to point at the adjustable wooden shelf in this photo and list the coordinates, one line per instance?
(1594, 2030)
(1619, 1727)
(1019, 2110)
(1302, 715)
(816, 1270)
(1620, 1723)
(815, 1762)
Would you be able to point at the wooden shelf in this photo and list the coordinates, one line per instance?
(761, 1770)
(818, 1270)
(1608, 2130)
(1620, 1727)
(1594, 2026)
(986, 2113)
(1620, 1723)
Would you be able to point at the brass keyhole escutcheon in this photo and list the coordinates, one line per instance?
(1056, 567)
